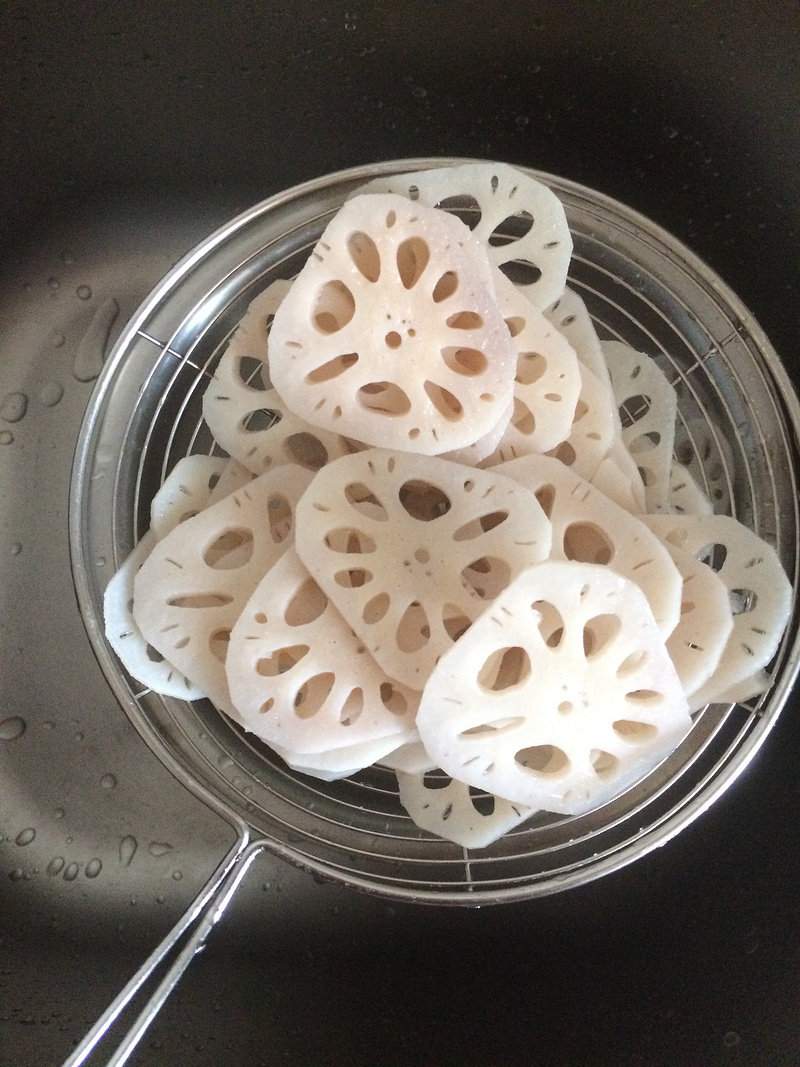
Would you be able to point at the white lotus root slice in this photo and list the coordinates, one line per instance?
(519, 220)
(594, 427)
(685, 497)
(233, 476)
(618, 477)
(391, 334)
(547, 379)
(696, 644)
(588, 527)
(456, 811)
(192, 587)
(140, 659)
(759, 591)
(255, 426)
(186, 490)
(300, 678)
(647, 406)
(410, 549)
(560, 696)
(337, 763)
(571, 318)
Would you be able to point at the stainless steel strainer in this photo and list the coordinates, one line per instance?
(737, 429)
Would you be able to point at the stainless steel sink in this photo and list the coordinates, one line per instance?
(689, 114)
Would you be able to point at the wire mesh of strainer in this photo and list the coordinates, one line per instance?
(737, 430)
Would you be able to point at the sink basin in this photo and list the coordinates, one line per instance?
(690, 954)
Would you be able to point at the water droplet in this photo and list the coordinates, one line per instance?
(58, 340)
(177, 875)
(50, 394)
(16, 548)
(48, 724)
(55, 866)
(53, 283)
(93, 867)
(159, 848)
(84, 292)
(16, 875)
(70, 872)
(223, 762)
(731, 1039)
(108, 781)
(6, 437)
(91, 351)
(78, 735)
(11, 729)
(24, 837)
(67, 257)
(13, 407)
(127, 849)
(59, 813)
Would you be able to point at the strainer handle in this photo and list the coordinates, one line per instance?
(191, 931)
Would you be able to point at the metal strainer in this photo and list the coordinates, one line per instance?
(737, 429)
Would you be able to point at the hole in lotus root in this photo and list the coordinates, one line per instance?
(546, 496)
(713, 556)
(413, 255)
(587, 543)
(354, 578)
(279, 516)
(312, 694)
(154, 655)
(375, 609)
(522, 418)
(307, 604)
(464, 207)
(742, 601)
(445, 287)
(511, 229)
(455, 622)
(259, 419)
(229, 550)
(481, 525)
(385, 398)
(218, 644)
(632, 663)
(393, 339)
(445, 402)
(631, 730)
(365, 255)
(565, 453)
(645, 442)
(413, 630)
(305, 449)
(465, 320)
(487, 577)
(598, 632)
(422, 500)
(482, 802)
(530, 367)
(334, 307)
(350, 541)
(521, 272)
(603, 763)
(550, 623)
(352, 707)
(200, 600)
(333, 368)
(436, 780)
(280, 661)
(542, 759)
(362, 499)
(393, 699)
(466, 361)
(633, 409)
(643, 696)
(504, 668)
(250, 371)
